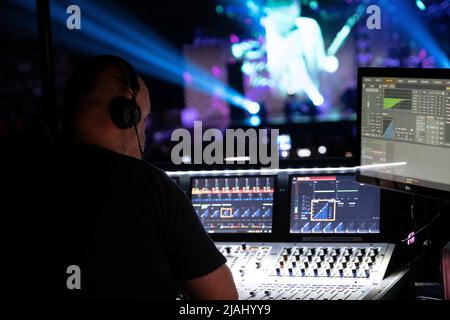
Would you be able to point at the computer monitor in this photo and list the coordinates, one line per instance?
(404, 131)
(333, 204)
(241, 204)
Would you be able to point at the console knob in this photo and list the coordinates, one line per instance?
(244, 246)
(228, 250)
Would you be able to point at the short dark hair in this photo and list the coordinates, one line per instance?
(84, 80)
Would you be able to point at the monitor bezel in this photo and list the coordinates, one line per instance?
(396, 73)
(336, 237)
(244, 236)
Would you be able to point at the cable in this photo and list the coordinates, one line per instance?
(139, 143)
(413, 206)
(415, 233)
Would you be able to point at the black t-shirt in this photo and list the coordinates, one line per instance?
(125, 223)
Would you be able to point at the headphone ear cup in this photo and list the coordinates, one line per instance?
(125, 113)
(137, 114)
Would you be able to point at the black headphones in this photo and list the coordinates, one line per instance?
(125, 112)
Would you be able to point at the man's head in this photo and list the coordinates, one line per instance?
(283, 14)
(94, 94)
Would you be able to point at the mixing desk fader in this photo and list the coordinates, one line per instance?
(306, 271)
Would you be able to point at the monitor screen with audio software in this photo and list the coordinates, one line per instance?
(405, 129)
(234, 204)
(334, 204)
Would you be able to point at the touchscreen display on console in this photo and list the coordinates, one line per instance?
(234, 204)
(333, 204)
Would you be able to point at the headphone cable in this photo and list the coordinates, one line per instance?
(139, 143)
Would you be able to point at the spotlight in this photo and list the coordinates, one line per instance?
(237, 51)
(322, 149)
(186, 159)
(303, 153)
(252, 107)
(148, 52)
(314, 5)
(416, 29)
(331, 64)
(219, 9)
(284, 154)
(420, 5)
(255, 121)
(284, 142)
(317, 100)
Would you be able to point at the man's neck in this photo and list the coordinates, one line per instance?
(113, 142)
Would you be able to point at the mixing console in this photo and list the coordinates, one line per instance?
(306, 271)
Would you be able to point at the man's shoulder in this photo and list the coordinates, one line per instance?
(155, 172)
(309, 23)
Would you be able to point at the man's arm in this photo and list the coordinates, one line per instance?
(216, 285)
(197, 264)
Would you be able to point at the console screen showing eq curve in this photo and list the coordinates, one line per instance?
(333, 204)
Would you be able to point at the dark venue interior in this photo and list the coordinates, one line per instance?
(297, 149)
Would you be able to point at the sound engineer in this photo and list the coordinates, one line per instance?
(126, 224)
